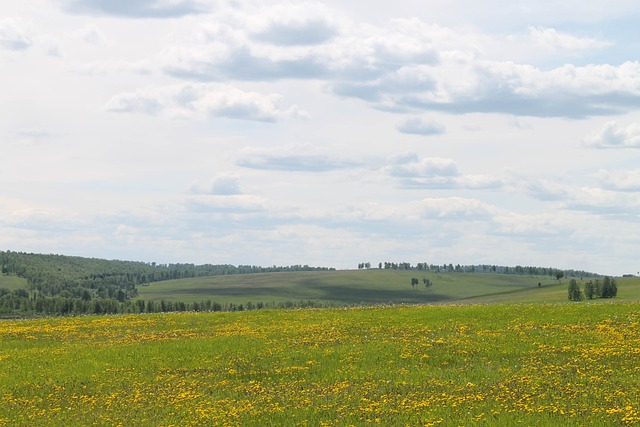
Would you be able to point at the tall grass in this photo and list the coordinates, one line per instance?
(487, 365)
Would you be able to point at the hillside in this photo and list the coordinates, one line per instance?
(369, 287)
(37, 284)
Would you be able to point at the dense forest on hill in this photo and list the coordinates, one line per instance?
(61, 285)
(70, 285)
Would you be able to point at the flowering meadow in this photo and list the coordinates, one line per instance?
(476, 365)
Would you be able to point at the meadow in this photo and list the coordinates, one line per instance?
(537, 364)
(345, 287)
(11, 282)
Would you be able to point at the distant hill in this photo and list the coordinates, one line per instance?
(362, 287)
(48, 284)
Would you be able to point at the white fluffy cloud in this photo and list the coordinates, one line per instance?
(293, 159)
(91, 34)
(604, 202)
(307, 23)
(16, 34)
(612, 135)
(456, 208)
(221, 185)
(413, 172)
(459, 84)
(139, 8)
(225, 204)
(407, 66)
(620, 180)
(550, 38)
(202, 101)
(420, 126)
(410, 166)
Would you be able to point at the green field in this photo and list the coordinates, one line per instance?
(356, 287)
(12, 282)
(570, 364)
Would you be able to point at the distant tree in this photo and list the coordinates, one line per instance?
(575, 294)
(427, 283)
(589, 290)
(597, 288)
(609, 288)
(559, 275)
(414, 282)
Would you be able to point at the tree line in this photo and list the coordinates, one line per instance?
(478, 268)
(12, 304)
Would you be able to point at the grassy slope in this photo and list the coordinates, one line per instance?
(369, 286)
(12, 282)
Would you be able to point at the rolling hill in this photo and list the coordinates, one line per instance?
(374, 287)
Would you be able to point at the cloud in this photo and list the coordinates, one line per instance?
(419, 126)
(91, 34)
(428, 167)
(461, 84)
(230, 204)
(41, 220)
(619, 195)
(613, 136)
(456, 208)
(32, 136)
(137, 8)
(294, 24)
(220, 63)
(535, 227)
(550, 38)
(204, 101)
(15, 34)
(414, 172)
(292, 161)
(221, 185)
(547, 190)
(406, 66)
(361, 53)
(619, 180)
(140, 102)
(101, 68)
(604, 202)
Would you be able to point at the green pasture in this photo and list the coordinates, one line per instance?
(371, 287)
(570, 364)
(348, 287)
(12, 282)
(554, 291)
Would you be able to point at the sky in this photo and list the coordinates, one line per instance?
(326, 133)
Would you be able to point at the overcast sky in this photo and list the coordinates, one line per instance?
(326, 133)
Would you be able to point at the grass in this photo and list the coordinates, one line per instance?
(571, 364)
(371, 287)
(349, 287)
(12, 282)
